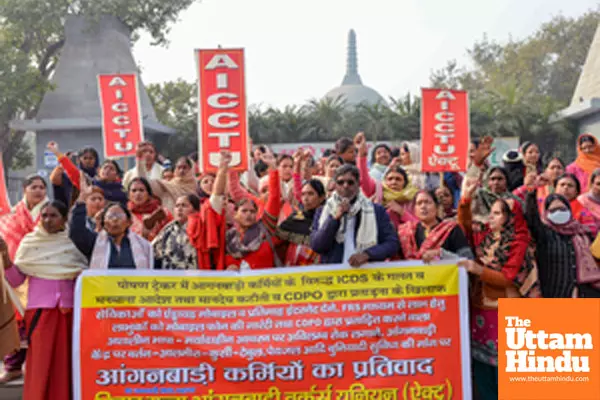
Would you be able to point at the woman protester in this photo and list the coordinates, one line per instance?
(410, 160)
(430, 237)
(381, 157)
(147, 155)
(22, 220)
(446, 199)
(251, 243)
(94, 205)
(569, 187)
(295, 230)
(108, 177)
(346, 150)
(591, 199)
(51, 263)
(239, 193)
(566, 266)
(205, 186)
(115, 246)
(544, 182)
(496, 187)
(395, 192)
(587, 161)
(87, 161)
(148, 215)
(206, 228)
(504, 267)
(332, 163)
(172, 246)
(183, 183)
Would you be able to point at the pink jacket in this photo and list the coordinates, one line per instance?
(43, 293)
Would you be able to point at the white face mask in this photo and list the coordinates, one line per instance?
(559, 217)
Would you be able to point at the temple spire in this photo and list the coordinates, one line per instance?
(352, 77)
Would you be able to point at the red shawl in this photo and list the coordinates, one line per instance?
(433, 241)
(143, 211)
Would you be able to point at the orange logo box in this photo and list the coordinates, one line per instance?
(549, 349)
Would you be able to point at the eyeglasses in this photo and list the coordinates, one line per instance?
(118, 216)
(349, 182)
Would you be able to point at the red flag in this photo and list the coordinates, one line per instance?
(223, 119)
(445, 131)
(122, 127)
(4, 200)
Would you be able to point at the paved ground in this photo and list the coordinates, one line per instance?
(11, 391)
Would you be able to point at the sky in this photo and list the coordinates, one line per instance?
(296, 50)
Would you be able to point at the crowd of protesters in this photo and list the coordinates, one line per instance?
(526, 229)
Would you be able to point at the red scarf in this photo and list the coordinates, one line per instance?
(147, 208)
(433, 241)
(206, 231)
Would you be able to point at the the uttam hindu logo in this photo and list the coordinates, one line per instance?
(547, 349)
(523, 343)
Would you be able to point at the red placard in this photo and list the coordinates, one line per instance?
(445, 130)
(4, 200)
(122, 127)
(222, 117)
(385, 332)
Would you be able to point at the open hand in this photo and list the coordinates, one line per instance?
(471, 185)
(361, 144)
(85, 190)
(484, 150)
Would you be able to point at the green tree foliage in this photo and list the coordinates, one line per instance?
(31, 37)
(515, 87)
(176, 105)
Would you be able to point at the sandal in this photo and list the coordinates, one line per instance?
(10, 376)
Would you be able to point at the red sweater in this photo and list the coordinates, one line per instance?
(206, 231)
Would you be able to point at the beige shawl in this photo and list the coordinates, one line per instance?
(169, 191)
(49, 256)
(366, 234)
(141, 249)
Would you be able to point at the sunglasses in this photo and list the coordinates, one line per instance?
(349, 182)
(558, 209)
